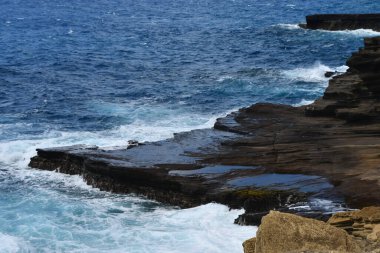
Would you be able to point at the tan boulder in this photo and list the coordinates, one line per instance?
(283, 232)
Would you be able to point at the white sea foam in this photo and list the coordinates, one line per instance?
(289, 26)
(60, 213)
(313, 74)
(204, 229)
(12, 244)
(323, 205)
(328, 206)
(223, 78)
(356, 33)
(303, 102)
(341, 69)
(18, 152)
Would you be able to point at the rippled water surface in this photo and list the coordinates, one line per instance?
(103, 72)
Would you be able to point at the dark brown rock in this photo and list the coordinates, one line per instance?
(336, 22)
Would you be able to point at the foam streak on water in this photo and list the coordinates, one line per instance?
(356, 32)
(61, 213)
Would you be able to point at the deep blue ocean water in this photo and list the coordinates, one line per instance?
(107, 71)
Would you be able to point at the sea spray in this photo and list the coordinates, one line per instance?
(62, 213)
(314, 74)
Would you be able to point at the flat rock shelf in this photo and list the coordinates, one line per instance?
(266, 156)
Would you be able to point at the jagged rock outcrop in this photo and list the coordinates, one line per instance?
(262, 157)
(283, 232)
(336, 22)
(364, 224)
(354, 96)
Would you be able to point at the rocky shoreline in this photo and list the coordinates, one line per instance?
(263, 157)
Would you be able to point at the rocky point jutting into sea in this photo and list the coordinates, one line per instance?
(263, 157)
(336, 22)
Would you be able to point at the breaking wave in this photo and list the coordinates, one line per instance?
(314, 73)
(53, 212)
(356, 32)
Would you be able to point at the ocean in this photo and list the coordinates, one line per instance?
(107, 71)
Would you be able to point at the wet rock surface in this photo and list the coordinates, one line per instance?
(263, 157)
(335, 22)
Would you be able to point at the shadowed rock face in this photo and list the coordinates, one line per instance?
(335, 22)
(262, 157)
(354, 96)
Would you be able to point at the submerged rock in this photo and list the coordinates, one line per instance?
(283, 232)
(336, 22)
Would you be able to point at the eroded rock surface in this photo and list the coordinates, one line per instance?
(283, 232)
(262, 157)
(364, 224)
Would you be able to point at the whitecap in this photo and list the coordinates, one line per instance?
(12, 244)
(355, 33)
(289, 26)
(341, 69)
(223, 78)
(326, 206)
(90, 220)
(313, 74)
(17, 153)
(204, 229)
(117, 223)
(303, 102)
